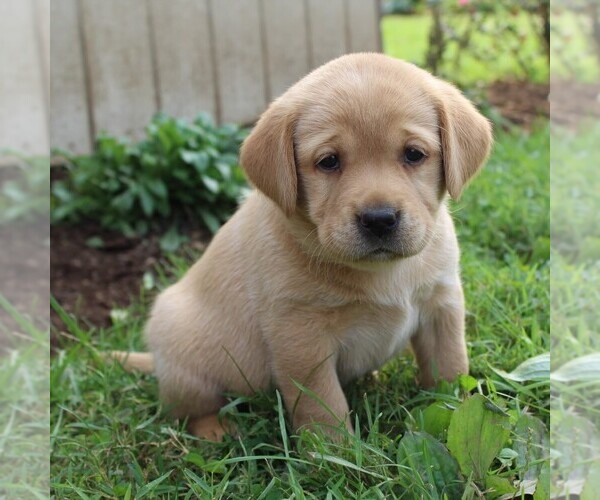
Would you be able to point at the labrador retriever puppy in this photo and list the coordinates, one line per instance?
(343, 254)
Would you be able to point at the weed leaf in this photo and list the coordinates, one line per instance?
(584, 368)
(429, 458)
(475, 436)
(534, 369)
(531, 445)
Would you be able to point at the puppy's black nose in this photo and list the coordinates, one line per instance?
(379, 221)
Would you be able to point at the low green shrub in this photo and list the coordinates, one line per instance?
(180, 173)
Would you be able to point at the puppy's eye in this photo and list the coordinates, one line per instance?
(413, 156)
(329, 163)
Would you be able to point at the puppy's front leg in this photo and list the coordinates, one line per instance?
(439, 343)
(310, 361)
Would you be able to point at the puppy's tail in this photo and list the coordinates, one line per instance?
(134, 361)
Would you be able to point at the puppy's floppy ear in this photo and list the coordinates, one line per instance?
(267, 155)
(466, 137)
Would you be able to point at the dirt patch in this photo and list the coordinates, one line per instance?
(566, 102)
(89, 282)
(574, 101)
(520, 102)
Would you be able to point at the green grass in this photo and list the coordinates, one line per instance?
(111, 438)
(24, 418)
(575, 224)
(406, 37)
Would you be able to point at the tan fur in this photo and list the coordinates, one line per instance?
(134, 361)
(289, 292)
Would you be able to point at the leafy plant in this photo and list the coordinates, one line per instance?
(576, 40)
(182, 172)
(483, 32)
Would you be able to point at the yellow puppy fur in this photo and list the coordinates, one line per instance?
(343, 254)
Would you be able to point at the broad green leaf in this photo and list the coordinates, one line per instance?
(429, 458)
(146, 201)
(171, 240)
(436, 419)
(60, 190)
(158, 187)
(542, 490)
(148, 160)
(224, 169)
(199, 159)
(531, 444)
(211, 184)
(215, 467)
(148, 280)
(476, 434)
(580, 369)
(497, 487)
(195, 459)
(123, 202)
(467, 382)
(507, 456)
(534, 369)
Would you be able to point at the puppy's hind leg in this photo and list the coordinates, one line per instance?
(211, 427)
(199, 401)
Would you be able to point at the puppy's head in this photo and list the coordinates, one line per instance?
(365, 148)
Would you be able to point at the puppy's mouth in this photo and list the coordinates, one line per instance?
(381, 254)
(396, 248)
(347, 245)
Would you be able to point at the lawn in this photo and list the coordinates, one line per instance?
(575, 271)
(111, 438)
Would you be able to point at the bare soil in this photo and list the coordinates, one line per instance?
(572, 102)
(90, 282)
(520, 102)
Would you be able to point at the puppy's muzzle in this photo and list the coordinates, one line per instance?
(379, 221)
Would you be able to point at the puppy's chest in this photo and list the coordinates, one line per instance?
(374, 335)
